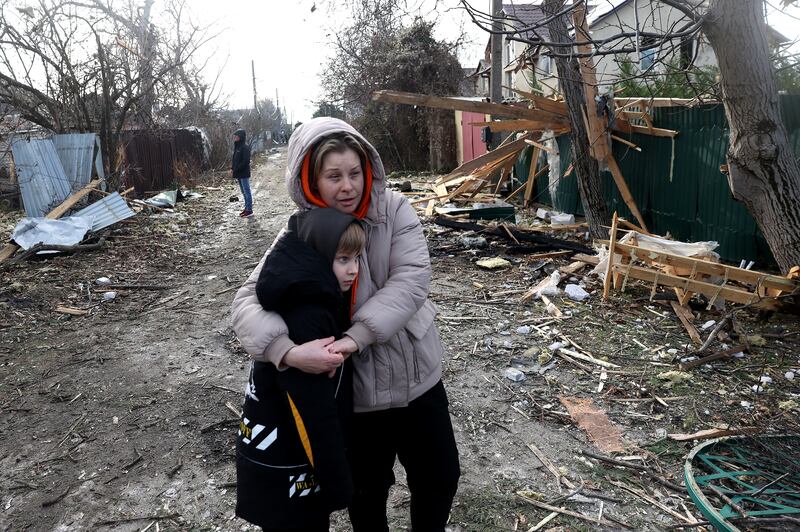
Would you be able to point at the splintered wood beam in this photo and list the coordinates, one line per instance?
(685, 316)
(624, 126)
(540, 146)
(531, 176)
(457, 104)
(543, 103)
(659, 102)
(624, 191)
(611, 251)
(522, 125)
(626, 142)
(599, 147)
(487, 158)
(711, 291)
(731, 273)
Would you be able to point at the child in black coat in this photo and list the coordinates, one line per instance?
(292, 470)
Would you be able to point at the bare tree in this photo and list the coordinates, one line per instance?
(100, 65)
(763, 173)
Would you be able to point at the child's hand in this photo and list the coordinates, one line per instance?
(314, 357)
(343, 347)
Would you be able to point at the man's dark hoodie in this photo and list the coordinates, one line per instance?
(302, 474)
(240, 164)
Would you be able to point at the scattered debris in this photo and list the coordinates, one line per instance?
(493, 263)
(593, 420)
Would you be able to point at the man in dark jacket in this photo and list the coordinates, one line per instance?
(240, 170)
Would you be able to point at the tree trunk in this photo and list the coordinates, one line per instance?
(590, 186)
(763, 172)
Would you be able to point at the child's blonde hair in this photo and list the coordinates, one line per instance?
(353, 240)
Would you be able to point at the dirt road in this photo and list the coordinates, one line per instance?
(117, 419)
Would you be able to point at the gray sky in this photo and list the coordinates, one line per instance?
(288, 43)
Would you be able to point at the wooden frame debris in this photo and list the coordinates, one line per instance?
(690, 275)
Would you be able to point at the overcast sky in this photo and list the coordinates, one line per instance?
(288, 43)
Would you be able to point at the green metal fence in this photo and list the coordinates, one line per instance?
(676, 182)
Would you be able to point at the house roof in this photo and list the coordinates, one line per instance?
(526, 15)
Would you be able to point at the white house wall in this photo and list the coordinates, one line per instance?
(653, 17)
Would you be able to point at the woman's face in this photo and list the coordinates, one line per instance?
(341, 181)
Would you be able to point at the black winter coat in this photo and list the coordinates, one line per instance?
(291, 462)
(240, 163)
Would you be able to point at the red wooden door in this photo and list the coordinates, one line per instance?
(473, 147)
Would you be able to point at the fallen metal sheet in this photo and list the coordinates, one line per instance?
(77, 154)
(64, 231)
(42, 181)
(164, 199)
(107, 211)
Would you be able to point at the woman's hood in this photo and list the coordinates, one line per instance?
(310, 133)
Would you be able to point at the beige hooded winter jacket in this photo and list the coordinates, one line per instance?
(399, 350)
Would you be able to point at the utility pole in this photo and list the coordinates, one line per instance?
(496, 79)
(255, 95)
(496, 89)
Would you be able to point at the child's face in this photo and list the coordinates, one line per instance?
(341, 181)
(345, 268)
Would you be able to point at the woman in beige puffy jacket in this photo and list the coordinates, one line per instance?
(399, 401)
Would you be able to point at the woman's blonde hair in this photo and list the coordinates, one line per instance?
(353, 240)
(337, 143)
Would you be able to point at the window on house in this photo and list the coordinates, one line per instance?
(647, 56)
(545, 65)
(508, 83)
(510, 51)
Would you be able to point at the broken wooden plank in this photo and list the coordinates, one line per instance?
(551, 307)
(707, 289)
(72, 311)
(492, 157)
(457, 104)
(594, 260)
(522, 125)
(624, 191)
(611, 252)
(573, 267)
(720, 355)
(685, 315)
(531, 176)
(626, 127)
(599, 521)
(540, 146)
(552, 468)
(626, 142)
(709, 434)
(587, 358)
(542, 102)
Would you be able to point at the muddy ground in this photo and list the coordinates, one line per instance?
(117, 419)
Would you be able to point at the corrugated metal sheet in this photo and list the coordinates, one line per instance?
(42, 181)
(107, 211)
(677, 183)
(77, 154)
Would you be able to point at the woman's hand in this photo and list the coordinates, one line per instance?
(344, 347)
(314, 357)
